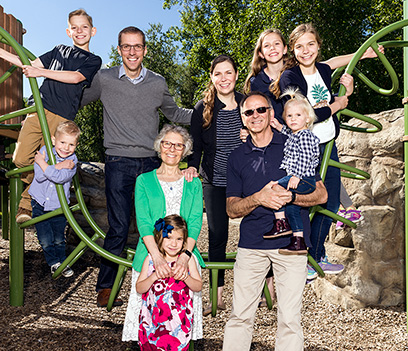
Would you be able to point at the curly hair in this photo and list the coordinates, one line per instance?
(172, 128)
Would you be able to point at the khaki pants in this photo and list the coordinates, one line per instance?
(250, 271)
(29, 141)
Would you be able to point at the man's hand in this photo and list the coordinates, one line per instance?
(273, 196)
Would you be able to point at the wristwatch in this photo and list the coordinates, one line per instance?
(293, 198)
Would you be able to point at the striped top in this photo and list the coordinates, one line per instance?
(228, 128)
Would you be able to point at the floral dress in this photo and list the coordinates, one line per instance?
(166, 316)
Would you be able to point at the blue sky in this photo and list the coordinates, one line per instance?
(46, 21)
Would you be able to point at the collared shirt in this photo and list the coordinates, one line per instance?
(249, 169)
(43, 189)
(136, 80)
(301, 153)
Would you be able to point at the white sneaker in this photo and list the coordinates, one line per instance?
(54, 267)
(67, 272)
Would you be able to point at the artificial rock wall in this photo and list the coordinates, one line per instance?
(373, 254)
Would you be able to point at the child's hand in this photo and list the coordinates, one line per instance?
(293, 182)
(275, 124)
(342, 100)
(31, 71)
(66, 164)
(39, 157)
(243, 134)
(370, 53)
(347, 80)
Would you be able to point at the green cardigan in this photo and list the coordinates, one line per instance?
(150, 205)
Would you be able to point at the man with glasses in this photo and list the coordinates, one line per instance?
(132, 96)
(252, 194)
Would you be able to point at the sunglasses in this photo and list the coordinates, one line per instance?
(260, 110)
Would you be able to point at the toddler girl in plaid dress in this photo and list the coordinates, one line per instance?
(301, 157)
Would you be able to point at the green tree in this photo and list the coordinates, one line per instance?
(210, 28)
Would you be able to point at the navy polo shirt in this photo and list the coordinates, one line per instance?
(249, 169)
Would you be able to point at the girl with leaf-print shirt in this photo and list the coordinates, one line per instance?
(313, 79)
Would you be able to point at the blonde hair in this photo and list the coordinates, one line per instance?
(258, 62)
(178, 223)
(292, 62)
(69, 128)
(210, 92)
(296, 97)
(80, 12)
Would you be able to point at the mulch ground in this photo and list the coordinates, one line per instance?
(62, 314)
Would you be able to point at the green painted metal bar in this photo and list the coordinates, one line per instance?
(5, 211)
(120, 277)
(405, 51)
(268, 297)
(7, 74)
(16, 258)
(47, 215)
(23, 111)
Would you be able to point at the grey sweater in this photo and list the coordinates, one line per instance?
(130, 111)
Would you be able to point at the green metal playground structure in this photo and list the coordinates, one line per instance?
(10, 194)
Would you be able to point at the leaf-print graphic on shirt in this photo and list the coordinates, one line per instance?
(321, 95)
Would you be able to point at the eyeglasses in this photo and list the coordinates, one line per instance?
(127, 47)
(168, 145)
(260, 110)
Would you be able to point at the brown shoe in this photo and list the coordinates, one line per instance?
(220, 307)
(297, 246)
(280, 227)
(103, 298)
(23, 215)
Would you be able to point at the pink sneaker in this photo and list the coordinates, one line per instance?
(354, 215)
(340, 225)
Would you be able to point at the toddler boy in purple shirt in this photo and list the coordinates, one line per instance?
(51, 232)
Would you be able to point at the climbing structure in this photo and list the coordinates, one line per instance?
(15, 232)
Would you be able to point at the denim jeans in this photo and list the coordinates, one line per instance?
(50, 234)
(120, 180)
(217, 218)
(306, 186)
(321, 223)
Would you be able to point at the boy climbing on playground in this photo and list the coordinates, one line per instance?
(51, 231)
(67, 71)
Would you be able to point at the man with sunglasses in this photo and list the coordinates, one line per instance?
(132, 96)
(251, 193)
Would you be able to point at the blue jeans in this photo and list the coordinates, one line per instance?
(306, 186)
(50, 234)
(321, 223)
(120, 179)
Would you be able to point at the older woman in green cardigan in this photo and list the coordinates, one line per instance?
(160, 193)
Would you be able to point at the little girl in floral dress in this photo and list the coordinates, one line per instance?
(166, 316)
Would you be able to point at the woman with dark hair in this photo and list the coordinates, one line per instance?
(215, 128)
